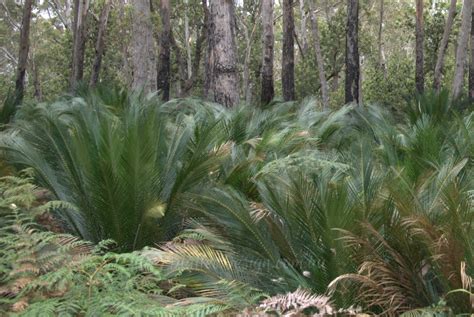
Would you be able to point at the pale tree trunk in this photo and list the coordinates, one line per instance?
(225, 79)
(100, 44)
(164, 62)
(319, 56)
(268, 91)
(249, 34)
(209, 60)
(443, 46)
(352, 53)
(187, 39)
(288, 54)
(36, 80)
(197, 60)
(471, 64)
(143, 49)
(381, 55)
(81, 10)
(420, 59)
(461, 52)
(304, 40)
(23, 52)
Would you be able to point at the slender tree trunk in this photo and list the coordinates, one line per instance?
(164, 63)
(187, 39)
(81, 10)
(352, 52)
(225, 79)
(443, 46)
(381, 55)
(268, 91)
(197, 60)
(100, 44)
(23, 52)
(471, 64)
(420, 60)
(209, 60)
(461, 52)
(143, 48)
(36, 80)
(304, 39)
(319, 56)
(249, 34)
(288, 54)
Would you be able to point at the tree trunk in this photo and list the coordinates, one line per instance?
(319, 56)
(100, 44)
(143, 48)
(23, 52)
(268, 91)
(187, 39)
(420, 60)
(208, 62)
(352, 52)
(248, 34)
(36, 81)
(225, 79)
(164, 63)
(304, 40)
(471, 64)
(197, 60)
(81, 10)
(443, 46)
(288, 54)
(381, 56)
(461, 52)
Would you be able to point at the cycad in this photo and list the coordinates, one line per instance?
(119, 160)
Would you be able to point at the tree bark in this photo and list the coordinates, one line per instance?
(225, 79)
(420, 60)
(352, 52)
(288, 54)
(461, 52)
(143, 48)
(443, 46)
(100, 44)
(81, 10)
(187, 39)
(471, 64)
(164, 62)
(268, 91)
(319, 56)
(208, 62)
(381, 55)
(23, 52)
(304, 40)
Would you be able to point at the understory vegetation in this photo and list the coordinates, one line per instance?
(127, 205)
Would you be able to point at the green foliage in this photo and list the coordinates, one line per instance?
(118, 160)
(48, 274)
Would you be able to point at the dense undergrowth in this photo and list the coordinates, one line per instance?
(347, 210)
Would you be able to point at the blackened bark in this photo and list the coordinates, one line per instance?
(163, 76)
(352, 53)
(209, 54)
(268, 91)
(288, 54)
(23, 52)
(100, 44)
(420, 60)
